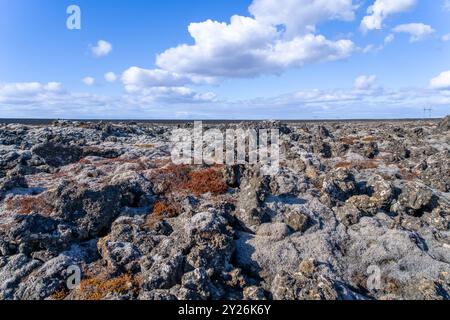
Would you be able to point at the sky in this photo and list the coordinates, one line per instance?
(222, 59)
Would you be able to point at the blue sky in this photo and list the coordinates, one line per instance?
(256, 59)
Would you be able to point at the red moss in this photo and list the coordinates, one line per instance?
(359, 165)
(349, 140)
(29, 204)
(162, 210)
(98, 288)
(188, 179)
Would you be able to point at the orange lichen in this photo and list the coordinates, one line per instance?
(29, 204)
(370, 139)
(367, 164)
(60, 295)
(204, 181)
(349, 140)
(162, 209)
(145, 146)
(192, 180)
(359, 165)
(343, 165)
(98, 288)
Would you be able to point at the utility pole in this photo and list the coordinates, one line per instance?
(425, 110)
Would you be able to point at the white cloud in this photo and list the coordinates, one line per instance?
(89, 81)
(446, 37)
(244, 47)
(247, 47)
(389, 38)
(33, 99)
(172, 95)
(365, 82)
(346, 103)
(417, 31)
(381, 10)
(103, 48)
(141, 78)
(442, 81)
(110, 77)
(447, 5)
(22, 92)
(301, 16)
(160, 85)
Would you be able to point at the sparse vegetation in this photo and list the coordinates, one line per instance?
(349, 140)
(60, 294)
(162, 209)
(99, 288)
(192, 180)
(29, 204)
(145, 146)
(370, 139)
(359, 165)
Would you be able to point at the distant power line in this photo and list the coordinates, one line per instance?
(427, 111)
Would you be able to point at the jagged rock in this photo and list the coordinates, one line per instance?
(297, 221)
(85, 194)
(339, 185)
(364, 203)
(284, 183)
(277, 230)
(13, 270)
(30, 233)
(323, 132)
(53, 274)
(254, 293)
(435, 171)
(12, 181)
(164, 274)
(415, 199)
(121, 256)
(298, 287)
(196, 285)
(348, 214)
(251, 195)
(370, 150)
(444, 125)
(323, 149)
(57, 155)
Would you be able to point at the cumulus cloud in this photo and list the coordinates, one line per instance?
(22, 92)
(417, 31)
(381, 10)
(102, 49)
(278, 35)
(136, 77)
(446, 37)
(110, 77)
(32, 99)
(157, 84)
(365, 82)
(389, 39)
(346, 103)
(247, 47)
(171, 95)
(89, 81)
(301, 16)
(441, 82)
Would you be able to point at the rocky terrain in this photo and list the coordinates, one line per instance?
(358, 210)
